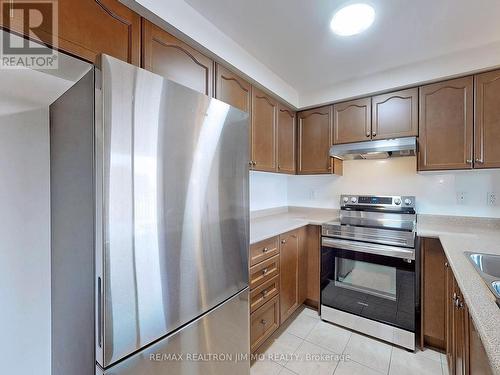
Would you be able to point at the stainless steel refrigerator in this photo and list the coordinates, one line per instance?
(149, 205)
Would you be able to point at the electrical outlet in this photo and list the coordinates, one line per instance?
(491, 199)
(461, 197)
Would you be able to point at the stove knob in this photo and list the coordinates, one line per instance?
(353, 199)
(346, 199)
(397, 201)
(407, 201)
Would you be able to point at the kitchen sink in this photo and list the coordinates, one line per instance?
(488, 267)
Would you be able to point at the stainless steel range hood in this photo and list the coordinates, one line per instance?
(381, 149)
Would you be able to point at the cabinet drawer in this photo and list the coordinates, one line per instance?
(263, 250)
(264, 293)
(264, 271)
(263, 323)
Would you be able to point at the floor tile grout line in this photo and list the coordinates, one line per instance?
(390, 361)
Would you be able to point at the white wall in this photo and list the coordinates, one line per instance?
(267, 190)
(442, 67)
(436, 192)
(25, 243)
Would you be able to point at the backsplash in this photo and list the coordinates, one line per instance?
(436, 192)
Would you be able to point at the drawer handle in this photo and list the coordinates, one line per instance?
(264, 271)
(265, 250)
(263, 322)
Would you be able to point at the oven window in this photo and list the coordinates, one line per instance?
(370, 278)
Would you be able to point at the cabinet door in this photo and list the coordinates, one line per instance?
(289, 274)
(433, 293)
(286, 140)
(352, 121)
(315, 134)
(445, 125)
(233, 89)
(263, 322)
(450, 350)
(87, 28)
(487, 120)
(461, 333)
(264, 115)
(395, 114)
(166, 55)
(478, 359)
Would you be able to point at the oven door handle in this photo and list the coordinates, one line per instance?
(370, 248)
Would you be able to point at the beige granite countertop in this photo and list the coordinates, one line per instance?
(269, 223)
(457, 235)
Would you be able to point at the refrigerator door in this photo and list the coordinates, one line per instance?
(216, 344)
(175, 207)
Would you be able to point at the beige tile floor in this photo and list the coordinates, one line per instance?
(306, 345)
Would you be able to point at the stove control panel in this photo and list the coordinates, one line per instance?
(385, 201)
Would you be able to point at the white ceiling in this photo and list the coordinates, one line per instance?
(293, 39)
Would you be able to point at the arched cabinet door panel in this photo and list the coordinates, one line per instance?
(164, 54)
(286, 144)
(264, 116)
(87, 28)
(487, 120)
(314, 141)
(352, 121)
(395, 114)
(446, 125)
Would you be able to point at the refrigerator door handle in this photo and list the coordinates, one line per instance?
(99, 311)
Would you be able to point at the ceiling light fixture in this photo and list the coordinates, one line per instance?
(352, 19)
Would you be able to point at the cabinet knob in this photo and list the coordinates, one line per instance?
(283, 241)
(469, 161)
(446, 264)
(264, 293)
(264, 271)
(254, 163)
(479, 160)
(279, 166)
(265, 250)
(374, 134)
(263, 321)
(368, 134)
(250, 163)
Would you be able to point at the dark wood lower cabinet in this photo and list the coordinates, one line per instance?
(478, 359)
(281, 283)
(443, 304)
(433, 294)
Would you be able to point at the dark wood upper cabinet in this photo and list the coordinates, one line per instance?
(289, 274)
(314, 138)
(286, 145)
(446, 125)
(433, 294)
(352, 121)
(166, 55)
(87, 28)
(487, 120)
(395, 114)
(263, 140)
(232, 89)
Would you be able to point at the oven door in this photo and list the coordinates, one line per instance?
(376, 282)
